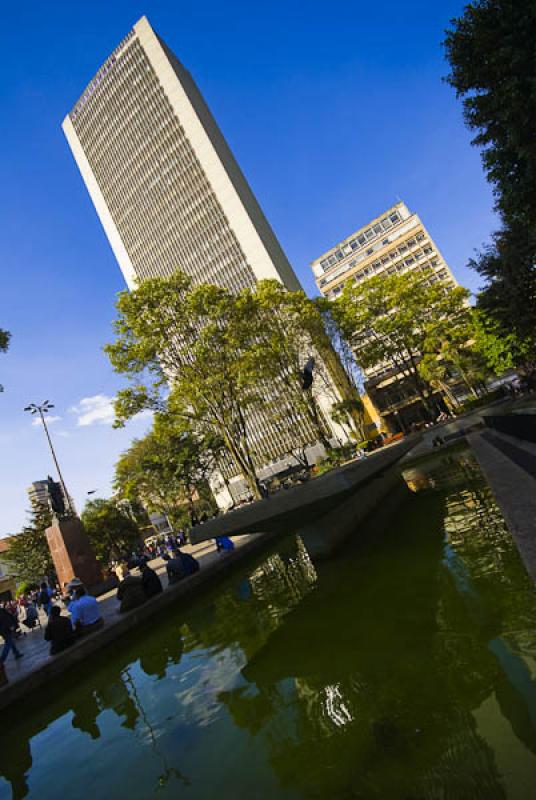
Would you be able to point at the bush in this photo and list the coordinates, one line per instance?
(480, 402)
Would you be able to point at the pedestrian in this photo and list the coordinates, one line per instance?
(152, 585)
(8, 626)
(59, 631)
(44, 598)
(85, 612)
(32, 616)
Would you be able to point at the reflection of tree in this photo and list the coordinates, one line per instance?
(276, 586)
(167, 771)
(371, 682)
(86, 692)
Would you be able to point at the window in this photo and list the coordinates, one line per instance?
(427, 249)
(394, 218)
(370, 251)
(420, 237)
(385, 241)
(409, 261)
(402, 248)
(377, 229)
(369, 235)
(361, 240)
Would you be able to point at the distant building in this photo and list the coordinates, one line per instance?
(38, 494)
(170, 194)
(394, 242)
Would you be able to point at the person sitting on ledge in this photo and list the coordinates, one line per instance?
(59, 631)
(130, 592)
(180, 566)
(224, 543)
(85, 612)
(152, 585)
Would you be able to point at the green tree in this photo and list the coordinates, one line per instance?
(290, 329)
(507, 304)
(112, 531)
(4, 344)
(169, 469)
(28, 557)
(389, 319)
(198, 338)
(493, 69)
(451, 351)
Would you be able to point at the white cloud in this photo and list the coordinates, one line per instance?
(98, 409)
(147, 414)
(50, 420)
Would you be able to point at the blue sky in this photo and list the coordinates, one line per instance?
(333, 111)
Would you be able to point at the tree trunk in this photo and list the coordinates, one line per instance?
(340, 378)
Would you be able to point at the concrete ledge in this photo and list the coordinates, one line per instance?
(123, 623)
(296, 507)
(515, 492)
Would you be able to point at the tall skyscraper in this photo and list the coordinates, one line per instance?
(168, 191)
(394, 242)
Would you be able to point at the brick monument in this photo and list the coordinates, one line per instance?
(73, 554)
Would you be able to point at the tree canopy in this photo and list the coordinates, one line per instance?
(391, 320)
(198, 337)
(111, 530)
(169, 469)
(493, 69)
(221, 362)
(28, 556)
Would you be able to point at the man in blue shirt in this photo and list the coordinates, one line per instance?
(85, 612)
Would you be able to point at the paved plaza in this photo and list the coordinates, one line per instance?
(36, 649)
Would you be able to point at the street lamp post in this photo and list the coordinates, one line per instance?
(33, 408)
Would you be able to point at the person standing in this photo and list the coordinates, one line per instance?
(45, 597)
(8, 626)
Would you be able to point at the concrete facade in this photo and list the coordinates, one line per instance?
(393, 243)
(170, 194)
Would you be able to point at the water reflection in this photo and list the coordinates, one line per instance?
(403, 668)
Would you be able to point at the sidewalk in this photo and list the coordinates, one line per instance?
(36, 650)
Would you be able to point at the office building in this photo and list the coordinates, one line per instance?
(395, 242)
(169, 192)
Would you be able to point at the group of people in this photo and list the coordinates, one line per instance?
(133, 590)
(84, 613)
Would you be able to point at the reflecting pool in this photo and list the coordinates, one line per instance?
(403, 668)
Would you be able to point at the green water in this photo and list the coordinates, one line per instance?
(403, 668)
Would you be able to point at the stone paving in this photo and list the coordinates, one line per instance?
(36, 649)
